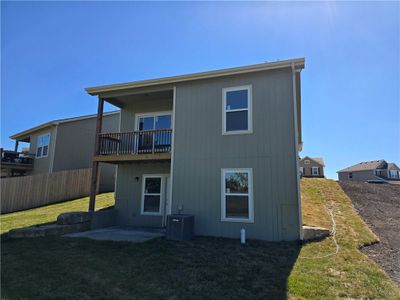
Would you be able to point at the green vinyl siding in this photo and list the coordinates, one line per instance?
(128, 193)
(201, 151)
(128, 187)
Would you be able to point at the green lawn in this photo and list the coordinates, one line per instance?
(205, 268)
(49, 213)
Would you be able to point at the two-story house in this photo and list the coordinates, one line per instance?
(371, 170)
(59, 145)
(312, 167)
(221, 145)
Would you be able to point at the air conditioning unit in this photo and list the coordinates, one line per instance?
(180, 227)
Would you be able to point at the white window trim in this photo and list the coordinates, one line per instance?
(302, 170)
(249, 171)
(152, 114)
(37, 146)
(249, 109)
(312, 171)
(159, 213)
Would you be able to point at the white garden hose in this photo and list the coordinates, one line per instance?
(333, 237)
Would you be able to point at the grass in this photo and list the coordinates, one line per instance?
(205, 268)
(350, 273)
(49, 213)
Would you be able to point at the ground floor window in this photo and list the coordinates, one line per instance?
(315, 171)
(237, 195)
(393, 174)
(151, 197)
(350, 175)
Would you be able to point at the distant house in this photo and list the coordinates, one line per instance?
(59, 145)
(371, 170)
(312, 167)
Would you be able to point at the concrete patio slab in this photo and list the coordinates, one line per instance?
(115, 233)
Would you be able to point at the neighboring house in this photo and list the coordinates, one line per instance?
(221, 145)
(371, 170)
(312, 167)
(59, 145)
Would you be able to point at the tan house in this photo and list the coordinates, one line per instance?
(370, 170)
(312, 167)
(59, 145)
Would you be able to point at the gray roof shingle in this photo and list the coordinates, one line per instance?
(363, 166)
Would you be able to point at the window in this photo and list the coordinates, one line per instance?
(154, 122)
(151, 198)
(315, 171)
(393, 173)
(306, 162)
(154, 141)
(42, 148)
(237, 110)
(237, 195)
(302, 171)
(350, 175)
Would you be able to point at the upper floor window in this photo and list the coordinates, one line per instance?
(154, 121)
(42, 148)
(237, 110)
(306, 162)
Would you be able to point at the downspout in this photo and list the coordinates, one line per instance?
(296, 137)
(172, 152)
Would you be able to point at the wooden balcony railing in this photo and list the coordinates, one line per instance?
(135, 142)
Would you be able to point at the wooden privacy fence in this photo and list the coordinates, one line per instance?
(19, 193)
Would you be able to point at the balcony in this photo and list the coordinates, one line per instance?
(15, 163)
(147, 145)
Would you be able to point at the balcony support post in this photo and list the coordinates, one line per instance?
(95, 164)
(16, 145)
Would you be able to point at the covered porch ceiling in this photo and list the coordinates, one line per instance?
(123, 100)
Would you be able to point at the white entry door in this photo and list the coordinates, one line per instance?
(156, 194)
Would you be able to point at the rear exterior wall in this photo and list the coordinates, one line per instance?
(201, 151)
(71, 147)
(75, 147)
(43, 164)
(358, 175)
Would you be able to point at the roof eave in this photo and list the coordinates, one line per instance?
(298, 63)
(24, 134)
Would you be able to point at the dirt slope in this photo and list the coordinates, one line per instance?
(379, 205)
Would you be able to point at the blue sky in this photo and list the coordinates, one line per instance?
(51, 51)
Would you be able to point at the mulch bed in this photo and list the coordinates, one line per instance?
(379, 206)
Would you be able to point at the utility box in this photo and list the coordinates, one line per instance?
(180, 227)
